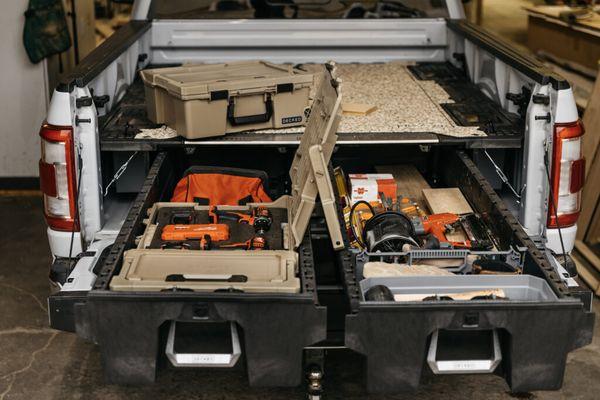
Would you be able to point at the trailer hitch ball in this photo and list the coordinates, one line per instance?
(315, 387)
(471, 320)
(315, 374)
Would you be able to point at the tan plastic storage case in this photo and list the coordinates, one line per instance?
(267, 271)
(214, 99)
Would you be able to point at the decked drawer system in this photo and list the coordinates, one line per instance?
(524, 338)
(531, 331)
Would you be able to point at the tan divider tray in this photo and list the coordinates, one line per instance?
(278, 237)
(266, 271)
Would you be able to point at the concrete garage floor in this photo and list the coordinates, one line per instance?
(39, 363)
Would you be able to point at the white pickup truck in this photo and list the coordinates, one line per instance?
(524, 171)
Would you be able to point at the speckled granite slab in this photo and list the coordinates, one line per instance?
(404, 104)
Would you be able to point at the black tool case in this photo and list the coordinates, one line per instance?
(527, 335)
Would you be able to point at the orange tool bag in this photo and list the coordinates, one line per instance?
(222, 186)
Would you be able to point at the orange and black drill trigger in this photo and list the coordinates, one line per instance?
(256, 242)
(260, 218)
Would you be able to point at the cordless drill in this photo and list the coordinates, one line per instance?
(260, 218)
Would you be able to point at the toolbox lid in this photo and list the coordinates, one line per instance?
(219, 81)
(309, 172)
(149, 76)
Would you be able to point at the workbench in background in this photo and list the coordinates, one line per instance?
(577, 43)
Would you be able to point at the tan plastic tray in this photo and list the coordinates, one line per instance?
(214, 99)
(265, 271)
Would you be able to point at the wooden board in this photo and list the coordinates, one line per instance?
(454, 296)
(382, 269)
(578, 42)
(553, 13)
(593, 234)
(358, 108)
(447, 200)
(587, 272)
(590, 212)
(409, 181)
(590, 199)
(591, 122)
(588, 254)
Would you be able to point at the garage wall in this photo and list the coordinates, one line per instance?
(23, 96)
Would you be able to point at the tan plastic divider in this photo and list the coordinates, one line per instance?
(265, 271)
(309, 171)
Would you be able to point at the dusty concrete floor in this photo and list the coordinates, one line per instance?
(39, 363)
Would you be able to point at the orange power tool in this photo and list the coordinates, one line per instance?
(256, 242)
(260, 218)
(206, 233)
(440, 224)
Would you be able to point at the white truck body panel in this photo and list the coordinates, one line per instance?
(298, 41)
(88, 144)
(59, 110)
(60, 243)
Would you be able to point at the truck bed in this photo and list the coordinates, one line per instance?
(444, 107)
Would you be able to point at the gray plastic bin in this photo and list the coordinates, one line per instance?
(516, 287)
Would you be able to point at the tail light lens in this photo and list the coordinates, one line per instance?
(57, 177)
(568, 173)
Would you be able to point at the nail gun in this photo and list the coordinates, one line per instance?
(438, 226)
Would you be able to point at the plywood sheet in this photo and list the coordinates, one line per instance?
(553, 12)
(446, 200)
(358, 109)
(382, 269)
(454, 296)
(577, 42)
(409, 181)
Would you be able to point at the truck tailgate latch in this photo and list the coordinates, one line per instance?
(541, 99)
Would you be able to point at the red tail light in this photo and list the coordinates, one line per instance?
(567, 177)
(58, 177)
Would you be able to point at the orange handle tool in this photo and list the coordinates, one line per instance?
(439, 224)
(180, 232)
(254, 243)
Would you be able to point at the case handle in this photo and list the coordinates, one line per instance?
(250, 119)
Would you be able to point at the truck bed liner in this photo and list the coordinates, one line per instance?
(443, 102)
